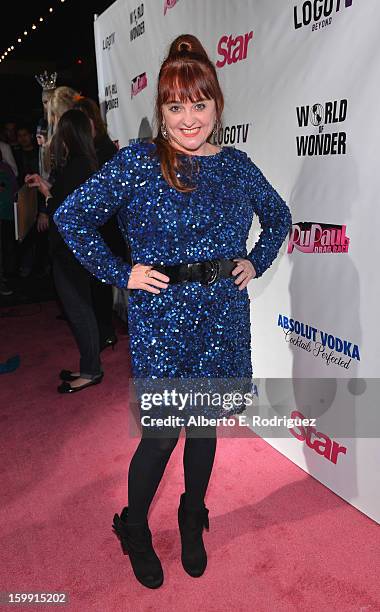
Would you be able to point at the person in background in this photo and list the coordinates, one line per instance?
(7, 155)
(28, 153)
(56, 101)
(76, 161)
(104, 147)
(41, 138)
(47, 93)
(43, 171)
(42, 255)
(10, 131)
(102, 293)
(27, 162)
(61, 100)
(8, 190)
(48, 84)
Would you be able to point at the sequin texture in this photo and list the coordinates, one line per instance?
(188, 330)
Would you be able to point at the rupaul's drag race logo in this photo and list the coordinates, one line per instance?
(232, 50)
(320, 344)
(319, 116)
(319, 13)
(138, 84)
(310, 237)
(168, 4)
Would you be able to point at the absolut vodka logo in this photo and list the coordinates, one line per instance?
(318, 13)
(317, 115)
(321, 344)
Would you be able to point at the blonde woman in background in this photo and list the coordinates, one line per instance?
(62, 99)
(56, 102)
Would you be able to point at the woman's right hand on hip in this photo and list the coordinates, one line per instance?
(146, 278)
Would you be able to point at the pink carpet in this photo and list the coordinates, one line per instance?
(278, 540)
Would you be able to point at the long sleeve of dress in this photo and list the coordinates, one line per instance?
(274, 216)
(88, 208)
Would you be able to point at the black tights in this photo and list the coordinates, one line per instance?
(149, 462)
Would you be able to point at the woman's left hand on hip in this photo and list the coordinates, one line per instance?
(244, 272)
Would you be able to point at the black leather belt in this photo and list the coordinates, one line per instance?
(205, 272)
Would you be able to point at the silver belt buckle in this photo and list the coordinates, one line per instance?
(214, 273)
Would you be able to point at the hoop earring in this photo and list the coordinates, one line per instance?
(164, 131)
(216, 129)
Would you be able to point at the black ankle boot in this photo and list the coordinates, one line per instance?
(191, 523)
(136, 541)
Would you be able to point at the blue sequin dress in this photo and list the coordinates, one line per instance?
(188, 330)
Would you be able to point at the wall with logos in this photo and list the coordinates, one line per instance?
(301, 83)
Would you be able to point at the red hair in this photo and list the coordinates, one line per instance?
(186, 74)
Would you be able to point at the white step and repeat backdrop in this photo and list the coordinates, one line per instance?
(301, 85)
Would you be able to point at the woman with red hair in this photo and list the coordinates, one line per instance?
(187, 207)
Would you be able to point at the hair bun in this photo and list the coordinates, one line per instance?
(187, 43)
(184, 46)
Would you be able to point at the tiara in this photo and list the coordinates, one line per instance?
(47, 81)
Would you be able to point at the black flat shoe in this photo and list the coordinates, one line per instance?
(65, 387)
(191, 524)
(136, 542)
(110, 341)
(67, 375)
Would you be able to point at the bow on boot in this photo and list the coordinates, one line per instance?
(191, 524)
(136, 541)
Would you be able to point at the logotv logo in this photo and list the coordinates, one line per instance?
(310, 237)
(232, 134)
(108, 41)
(138, 84)
(232, 50)
(320, 12)
(320, 115)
